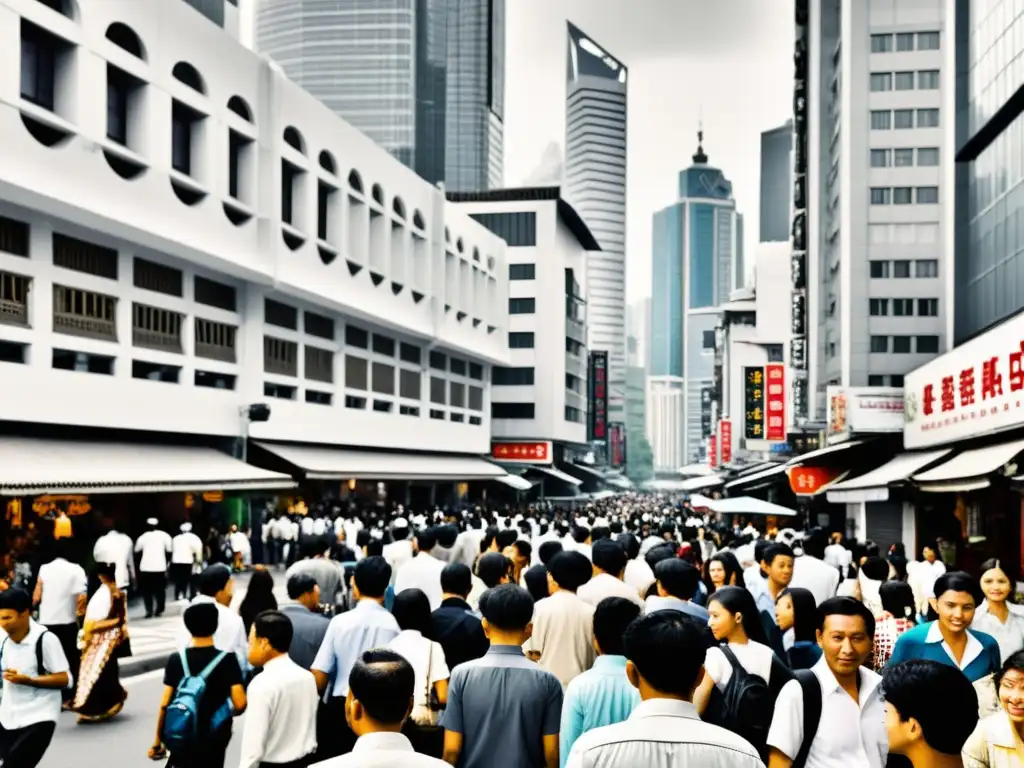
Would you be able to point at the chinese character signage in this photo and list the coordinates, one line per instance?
(598, 405)
(859, 410)
(725, 439)
(707, 395)
(976, 389)
(617, 443)
(753, 403)
(712, 452)
(775, 402)
(810, 481)
(538, 452)
(799, 235)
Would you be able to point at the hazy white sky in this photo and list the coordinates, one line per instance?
(729, 61)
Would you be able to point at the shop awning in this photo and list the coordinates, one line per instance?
(31, 467)
(620, 482)
(327, 463)
(968, 469)
(701, 483)
(874, 486)
(515, 482)
(803, 458)
(748, 505)
(764, 477)
(696, 469)
(557, 474)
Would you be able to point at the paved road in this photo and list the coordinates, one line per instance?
(123, 741)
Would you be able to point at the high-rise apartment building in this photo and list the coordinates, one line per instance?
(697, 261)
(595, 177)
(425, 79)
(776, 183)
(880, 131)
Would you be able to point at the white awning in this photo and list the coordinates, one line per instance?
(620, 482)
(805, 457)
(748, 505)
(516, 482)
(557, 474)
(701, 483)
(874, 486)
(763, 477)
(968, 469)
(701, 502)
(31, 466)
(695, 469)
(326, 463)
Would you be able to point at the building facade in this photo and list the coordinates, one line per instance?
(776, 183)
(542, 394)
(422, 78)
(595, 174)
(222, 239)
(223, 13)
(880, 211)
(697, 261)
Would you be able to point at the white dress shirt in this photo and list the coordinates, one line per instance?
(382, 750)
(280, 718)
(116, 548)
(427, 660)
(423, 572)
(604, 585)
(815, 575)
(155, 546)
(755, 658)
(23, 705)
(398, 554)
(186, 549)
(62, 583)
(306, 526)
(230, 636)
(851, 734)
(838, 556)
(639, 576)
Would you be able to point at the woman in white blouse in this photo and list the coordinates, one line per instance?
(430, 693)
(997, 617)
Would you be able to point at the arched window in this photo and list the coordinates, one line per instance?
(294, 139)
(378, 193)
(417, 219)
(189, 75)
(124, 37)
(399, 208)
(327, 162)
(240, 107)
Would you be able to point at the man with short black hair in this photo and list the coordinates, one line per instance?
(638, 574)
(677, 584)
(308, 623)
(665, 653)
(931, 709)
(217, 586)
(280, 722)
(777, 564)
(548, 550)
(315, 551)
(423, 572)
(609, 558)
(454, 625)
(502, 708)
(810, 570)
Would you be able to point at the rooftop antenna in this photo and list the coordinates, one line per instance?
(699, 157)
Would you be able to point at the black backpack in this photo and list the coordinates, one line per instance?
(40, 667)
(746, 706)
(810, 688)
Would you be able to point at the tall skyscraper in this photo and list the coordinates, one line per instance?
(776, 183)
(425, 79)
(595, 172)
(878, 227)
(697, 261)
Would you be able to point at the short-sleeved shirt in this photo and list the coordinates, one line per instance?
(23, 705)
(503, 705)
(222, 679)
(368, 625)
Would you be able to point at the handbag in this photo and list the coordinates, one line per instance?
(427, 715)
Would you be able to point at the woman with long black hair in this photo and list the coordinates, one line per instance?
(797, 610)
(723, 570)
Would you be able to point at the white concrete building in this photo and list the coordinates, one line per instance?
(881, 99)
(542, 394)
(185, 232)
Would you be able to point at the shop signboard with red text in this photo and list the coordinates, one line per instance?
(725, 439)
(863, 410)
(775, 402)
(533, 452)
(712, 452)
(975, 389)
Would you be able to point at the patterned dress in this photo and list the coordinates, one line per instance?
(887, 631)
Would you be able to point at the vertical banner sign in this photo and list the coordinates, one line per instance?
(775, 402)
(706, 399)
(598, 405)
(753, 403)
(800, 338)
(712, 452)
(617, 439)
(725, 439)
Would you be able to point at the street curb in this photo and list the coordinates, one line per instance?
(135, 666)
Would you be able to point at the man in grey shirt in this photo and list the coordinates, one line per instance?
(677, 584)
(502, 708)
(308, 625)
(317, 563)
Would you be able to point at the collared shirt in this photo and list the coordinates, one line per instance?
(116, 548)
(690, 608)
(186, 549)
(155, 546)
(368, 625)
(426, 658)
(308, 631)
(817, 576)
(994, 744)
(838, 556)
(423, 572)
(601, 696)
(663, 733)
(280, 718)
(329, 576)
(62, 583)
(638, 575)
(503, 705)
(604, 585)
(230, 636)
(23, 705)
(459, 631)
(382, 750)
(851, 734)
(397, 554)
(925, 641)
(563, 634)
(1010, 635)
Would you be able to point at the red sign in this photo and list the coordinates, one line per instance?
(725, 437)
(527, 453)
(810, 481)
(775, 402)
(712, 452)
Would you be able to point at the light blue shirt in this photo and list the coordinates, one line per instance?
(690, 608)
(368, 625)
(600, 696)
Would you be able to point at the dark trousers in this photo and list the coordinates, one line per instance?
(25, 747)
(181, 575)
(153, 586)
(333, 736)
(67, 634)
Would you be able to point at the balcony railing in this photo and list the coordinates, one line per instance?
(576, 330)
(84, 313)
(155, 328)
(215, 341)
(14, 299)
(280, 357)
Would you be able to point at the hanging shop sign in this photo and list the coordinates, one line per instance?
(775, 402)
(810, 481)
(598, 397)
(863, 410)
(617, 442)
(800, 237)
(753, 402)
(712, 452)
(536, 452)
(725, 439)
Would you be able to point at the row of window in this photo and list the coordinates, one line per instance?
(904, 195)
(903, 157)
(902, 268)
(893, 380)
(903, 307)
(527, 411)
(903, 119)
(905, 41)
(522, 271)
(522, 306)
(905, 345)
(910, 233)
(922, 80)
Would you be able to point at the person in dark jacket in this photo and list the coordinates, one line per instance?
(454, 625)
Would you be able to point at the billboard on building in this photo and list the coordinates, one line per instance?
(617, 443)
(597, 405)
(775, 402)
(725, 439)
(753, 402)
(867, 410)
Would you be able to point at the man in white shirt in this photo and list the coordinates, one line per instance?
(216, 586)
(31, 701)
(423, 572)
(380, 688)
(851, 730)
(186, 555)
(155, 546)
(837, 555)
(811, 572)
(609, 559)
(638, 574)
(280, 717)
(60, 594)
(118, 549)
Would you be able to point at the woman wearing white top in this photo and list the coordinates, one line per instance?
(430, 692)
(996, 616)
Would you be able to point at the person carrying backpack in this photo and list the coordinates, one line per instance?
(203, 691)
